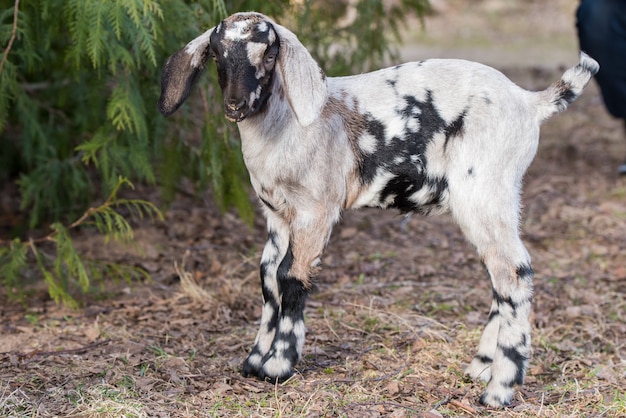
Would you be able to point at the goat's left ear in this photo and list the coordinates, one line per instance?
(181, 71)
(303, 80)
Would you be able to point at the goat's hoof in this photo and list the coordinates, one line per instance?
(261, 375)
(252, 365)
(498, 397)
(248, 370)
(270, 369)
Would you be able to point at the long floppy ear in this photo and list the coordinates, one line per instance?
(303, 80)
(181, 71)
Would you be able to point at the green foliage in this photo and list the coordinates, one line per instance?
(63, 268)
(79, 82)
(79, 89)
(12, 260)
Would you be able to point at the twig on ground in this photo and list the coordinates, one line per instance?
(464, 407)
(37, 353)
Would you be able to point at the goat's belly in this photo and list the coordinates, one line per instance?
(408, 193)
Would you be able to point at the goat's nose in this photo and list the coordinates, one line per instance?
(236, 104)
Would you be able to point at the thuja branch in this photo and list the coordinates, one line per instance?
(141, 206)
(66, 268)
(110, 201)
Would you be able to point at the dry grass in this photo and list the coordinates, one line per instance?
(370, 355)
(362, 360)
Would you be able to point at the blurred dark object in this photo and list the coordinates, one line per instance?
(602, 34)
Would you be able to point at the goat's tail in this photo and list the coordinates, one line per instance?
(560, 94)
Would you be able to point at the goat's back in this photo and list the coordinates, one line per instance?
(452, 86)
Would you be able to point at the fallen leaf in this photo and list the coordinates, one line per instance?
(92, 332)
(221, 388)
(392, 387)
(144, 384)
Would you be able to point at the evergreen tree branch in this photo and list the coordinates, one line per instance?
(13, 35)
(67, 269)
(106, 206)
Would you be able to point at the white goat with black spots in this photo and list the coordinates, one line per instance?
(430, 136)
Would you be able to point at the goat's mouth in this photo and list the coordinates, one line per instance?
(236, 116)
(238, 112)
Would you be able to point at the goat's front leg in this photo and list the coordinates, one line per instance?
(274, 252)
(285, 287)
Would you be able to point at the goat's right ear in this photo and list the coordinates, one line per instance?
(181, 71)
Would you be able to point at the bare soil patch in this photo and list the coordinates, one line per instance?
(395, 316)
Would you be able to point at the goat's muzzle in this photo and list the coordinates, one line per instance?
(236, 110)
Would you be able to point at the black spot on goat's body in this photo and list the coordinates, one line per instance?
(400, 192)
(369, 163)
(403, 157)
(455, 128)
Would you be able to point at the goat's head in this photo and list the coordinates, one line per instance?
(251, 52)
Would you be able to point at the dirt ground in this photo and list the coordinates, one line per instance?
(398, 309)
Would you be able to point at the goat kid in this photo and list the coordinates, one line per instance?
(427, 137)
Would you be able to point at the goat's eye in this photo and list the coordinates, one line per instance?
(269, 59)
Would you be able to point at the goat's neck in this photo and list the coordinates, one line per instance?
(275, 122)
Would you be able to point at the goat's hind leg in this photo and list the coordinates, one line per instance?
(480, 366)
(504, 349)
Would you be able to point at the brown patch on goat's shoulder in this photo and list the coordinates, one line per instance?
(353, 121)
(354, 124)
